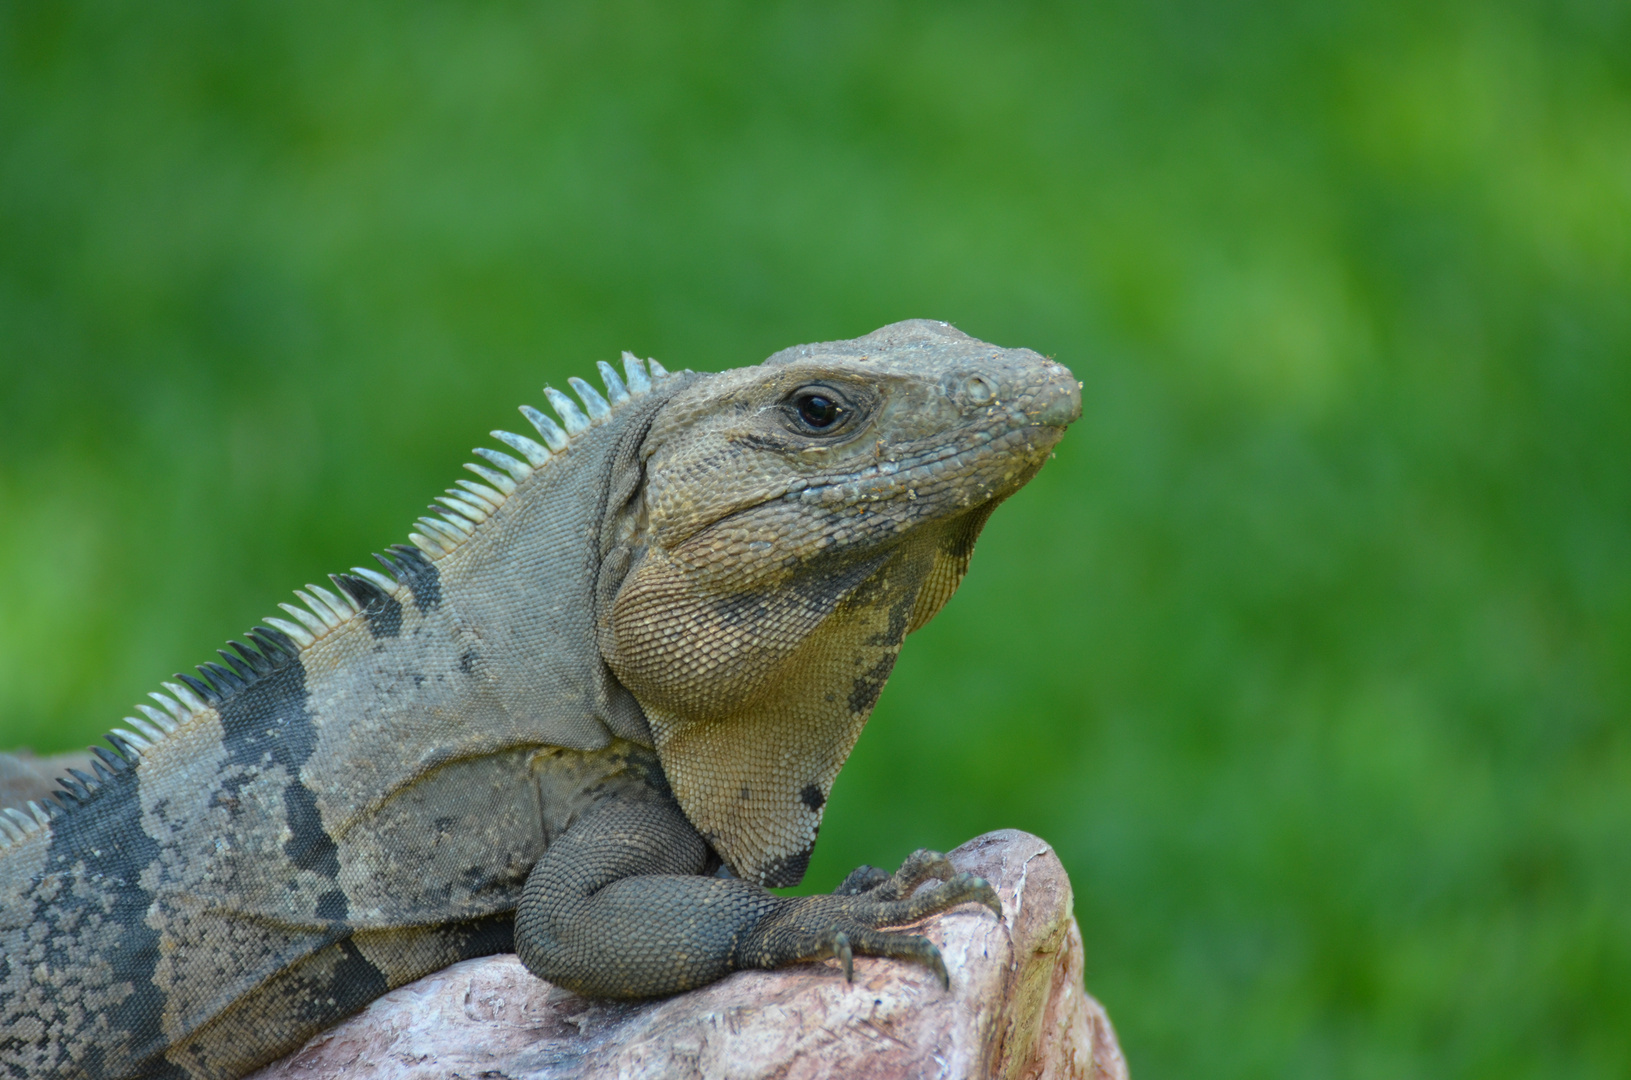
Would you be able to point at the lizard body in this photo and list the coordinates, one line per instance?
(632, 657)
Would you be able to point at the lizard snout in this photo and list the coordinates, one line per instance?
(1058, 402)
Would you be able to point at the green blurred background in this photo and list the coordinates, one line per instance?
(1309, 652)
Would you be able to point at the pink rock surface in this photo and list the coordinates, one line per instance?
(1016, 1009)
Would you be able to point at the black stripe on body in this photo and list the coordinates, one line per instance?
(353, 982)
(417, 572)
(327, 986)
(279, 1015)
(785, 871)
(92, 970)
(864, 691)
(267, 724)
(382, 612)
(483, 937)
(100, 947)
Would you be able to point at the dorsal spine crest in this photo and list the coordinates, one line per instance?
(280, 641)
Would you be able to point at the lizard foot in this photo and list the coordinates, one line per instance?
(848, 923)
(844, 945)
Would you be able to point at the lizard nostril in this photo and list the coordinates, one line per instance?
(979, 390)
(1063, 410)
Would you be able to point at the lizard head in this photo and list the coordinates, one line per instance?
(793, 522)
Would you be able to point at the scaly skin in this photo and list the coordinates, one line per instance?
(613, 687)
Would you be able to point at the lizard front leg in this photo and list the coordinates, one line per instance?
(618, 907)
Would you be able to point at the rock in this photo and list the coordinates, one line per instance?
(1016, 1009)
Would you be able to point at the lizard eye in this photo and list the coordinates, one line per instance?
(818, 409)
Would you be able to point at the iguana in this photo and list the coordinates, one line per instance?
(607, 689)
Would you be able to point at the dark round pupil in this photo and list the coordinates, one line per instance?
(818, 410)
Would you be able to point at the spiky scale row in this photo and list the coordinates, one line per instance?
(15, 825)
(554, 437)
(615, 390)
(505, 486)
(463, 509)
(280, 641)
(485, 496)
(77, 787)
(535, 453)
(597, 405)
(375, 578)
(572, 417)
(460, 512)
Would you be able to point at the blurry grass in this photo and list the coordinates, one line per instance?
(1310, 651)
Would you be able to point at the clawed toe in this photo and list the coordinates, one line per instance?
(960, 889)
(923, 865)
(970, 888)
(849, 923)
(924, 952)
(863, 879)
(846, 955)
(930, 957)
(897, 946)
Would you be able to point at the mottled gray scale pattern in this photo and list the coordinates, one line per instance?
(87, 901)
(620, 704)
(266, 726)
(328, 985)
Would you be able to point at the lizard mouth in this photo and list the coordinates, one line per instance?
(1002, 446)
(878, 491)
(991, 466)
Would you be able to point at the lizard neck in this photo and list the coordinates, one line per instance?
(522, 590)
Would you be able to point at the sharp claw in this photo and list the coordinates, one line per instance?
(846, 957)
(938, 966)
(985, 894)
